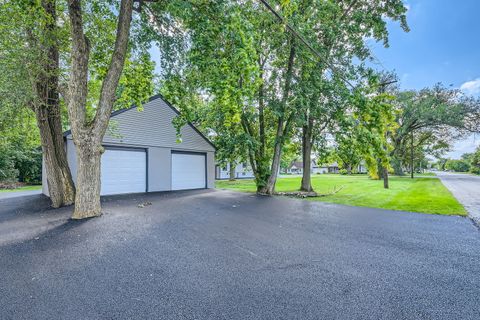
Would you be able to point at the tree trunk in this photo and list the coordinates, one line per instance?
(411, 156)
(232, 171)
(307, 157)
(59, 179)
(385, 178)
(88, 135)
(269, 188)
(282, 125)
(87, 200)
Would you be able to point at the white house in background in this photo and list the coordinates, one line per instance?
(296, 167)
(362, 167)
(143, 154)
(242, 171)
(334, 168)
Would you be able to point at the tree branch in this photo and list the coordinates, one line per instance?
(79, 70)
(110, 83)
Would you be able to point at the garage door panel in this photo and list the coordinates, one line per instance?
(123, 171)
(188, 171)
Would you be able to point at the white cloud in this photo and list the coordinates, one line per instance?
(471, 87)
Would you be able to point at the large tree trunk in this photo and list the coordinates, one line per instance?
(47, 112)
(232, 171)
(307, 156)
(88, 135)
(59, 179)
(87, 201)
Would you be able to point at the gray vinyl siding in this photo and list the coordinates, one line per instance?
(210, 170)
(153, 127)
(44, 178)
(159, 169)
(72, 159)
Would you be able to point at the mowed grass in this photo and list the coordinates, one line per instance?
(425, 195)
(25, 188)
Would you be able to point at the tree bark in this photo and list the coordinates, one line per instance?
(307, 142)
(88, 135)
(87, 202)
(47, 112)
(232, 171)
(385, 178)
(282, 126)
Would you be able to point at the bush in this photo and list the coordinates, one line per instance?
(8, 172)
(343, 171)
(475, 170)
(457, 165)
(17, 164)
(475, 162)
(29, 166)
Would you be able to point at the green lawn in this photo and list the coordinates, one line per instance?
(426, 195)
(26, 188)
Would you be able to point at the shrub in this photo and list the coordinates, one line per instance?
(29, 165)
(457, 165)
(8, 172)
(343, 171)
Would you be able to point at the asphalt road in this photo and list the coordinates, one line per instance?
(466, 188)
(223, 255)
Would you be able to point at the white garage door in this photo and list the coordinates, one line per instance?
(188, 171)
(124, 171)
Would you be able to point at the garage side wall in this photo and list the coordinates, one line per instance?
(72, 159)
(44, 178)
(159, 172)
(210, 170)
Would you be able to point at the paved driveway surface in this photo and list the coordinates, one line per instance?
(466, 188)
(225, 255)
(15, 194)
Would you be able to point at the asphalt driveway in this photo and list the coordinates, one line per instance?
(224, 255)
(466, 188)
(15, 194)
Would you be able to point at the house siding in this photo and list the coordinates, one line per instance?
(210, 170)
(152, 126)
(159, 169)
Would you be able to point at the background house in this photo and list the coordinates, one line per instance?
(242, 171)
(142, 153)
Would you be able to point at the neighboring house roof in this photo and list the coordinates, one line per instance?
(155, 97)
(296, 165)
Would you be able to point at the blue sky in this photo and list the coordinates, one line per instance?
(442, 46)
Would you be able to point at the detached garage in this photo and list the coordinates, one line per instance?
(142, 153)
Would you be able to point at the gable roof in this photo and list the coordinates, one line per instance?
(155, 97)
